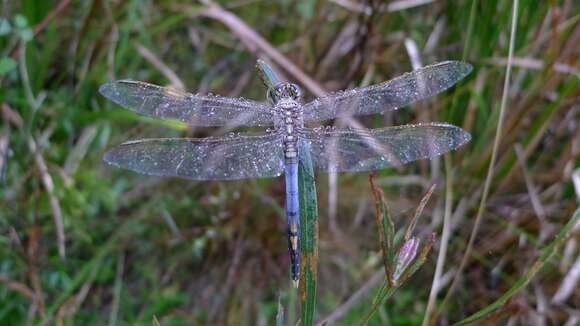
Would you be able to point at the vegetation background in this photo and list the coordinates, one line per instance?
(85, 243)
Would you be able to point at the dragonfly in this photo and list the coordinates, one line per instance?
(277, 150)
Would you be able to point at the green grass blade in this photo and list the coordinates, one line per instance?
(547, 253)
(267, 74)
(280, 313)
(384, 293)
(386, 228)
(308, 237)
(418, 212)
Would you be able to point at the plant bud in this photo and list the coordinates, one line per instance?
(406, 256)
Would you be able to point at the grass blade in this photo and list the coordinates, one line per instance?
(280, 313)
(491, 167)
(267, 74)
(547, 253)
(384, 293)
(308, 237)
(386, 228)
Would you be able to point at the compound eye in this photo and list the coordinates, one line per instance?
(297, 91)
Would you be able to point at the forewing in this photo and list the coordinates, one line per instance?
(391, 95)
(213, 158)
(356, 150)
(195, 110)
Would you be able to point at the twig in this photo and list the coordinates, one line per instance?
(256, 43)
(491, 168)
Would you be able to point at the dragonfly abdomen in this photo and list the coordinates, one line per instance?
(293, 216)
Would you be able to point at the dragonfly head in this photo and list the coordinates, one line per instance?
(284, 91)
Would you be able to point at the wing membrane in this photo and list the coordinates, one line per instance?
(357, 150)
(195, 110)
(388, 96)
(213, 158)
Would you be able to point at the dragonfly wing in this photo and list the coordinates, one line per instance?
(388, 96)
(356, 150)
(214, 158)
(195, 110)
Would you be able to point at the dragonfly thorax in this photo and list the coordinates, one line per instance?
(289, 123)
(289, 120)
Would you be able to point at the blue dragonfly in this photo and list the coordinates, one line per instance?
(277, 150)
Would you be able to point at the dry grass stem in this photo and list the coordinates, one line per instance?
(569, 284)
(392, 6)
(355, 298)
(49, 187)
(437, 283)
(536, 64)
(161, 66)
(491, 168)
(258, 44)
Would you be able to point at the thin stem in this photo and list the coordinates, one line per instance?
(547, 253)
(444, 240)
(384, 295)
(491, 167)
